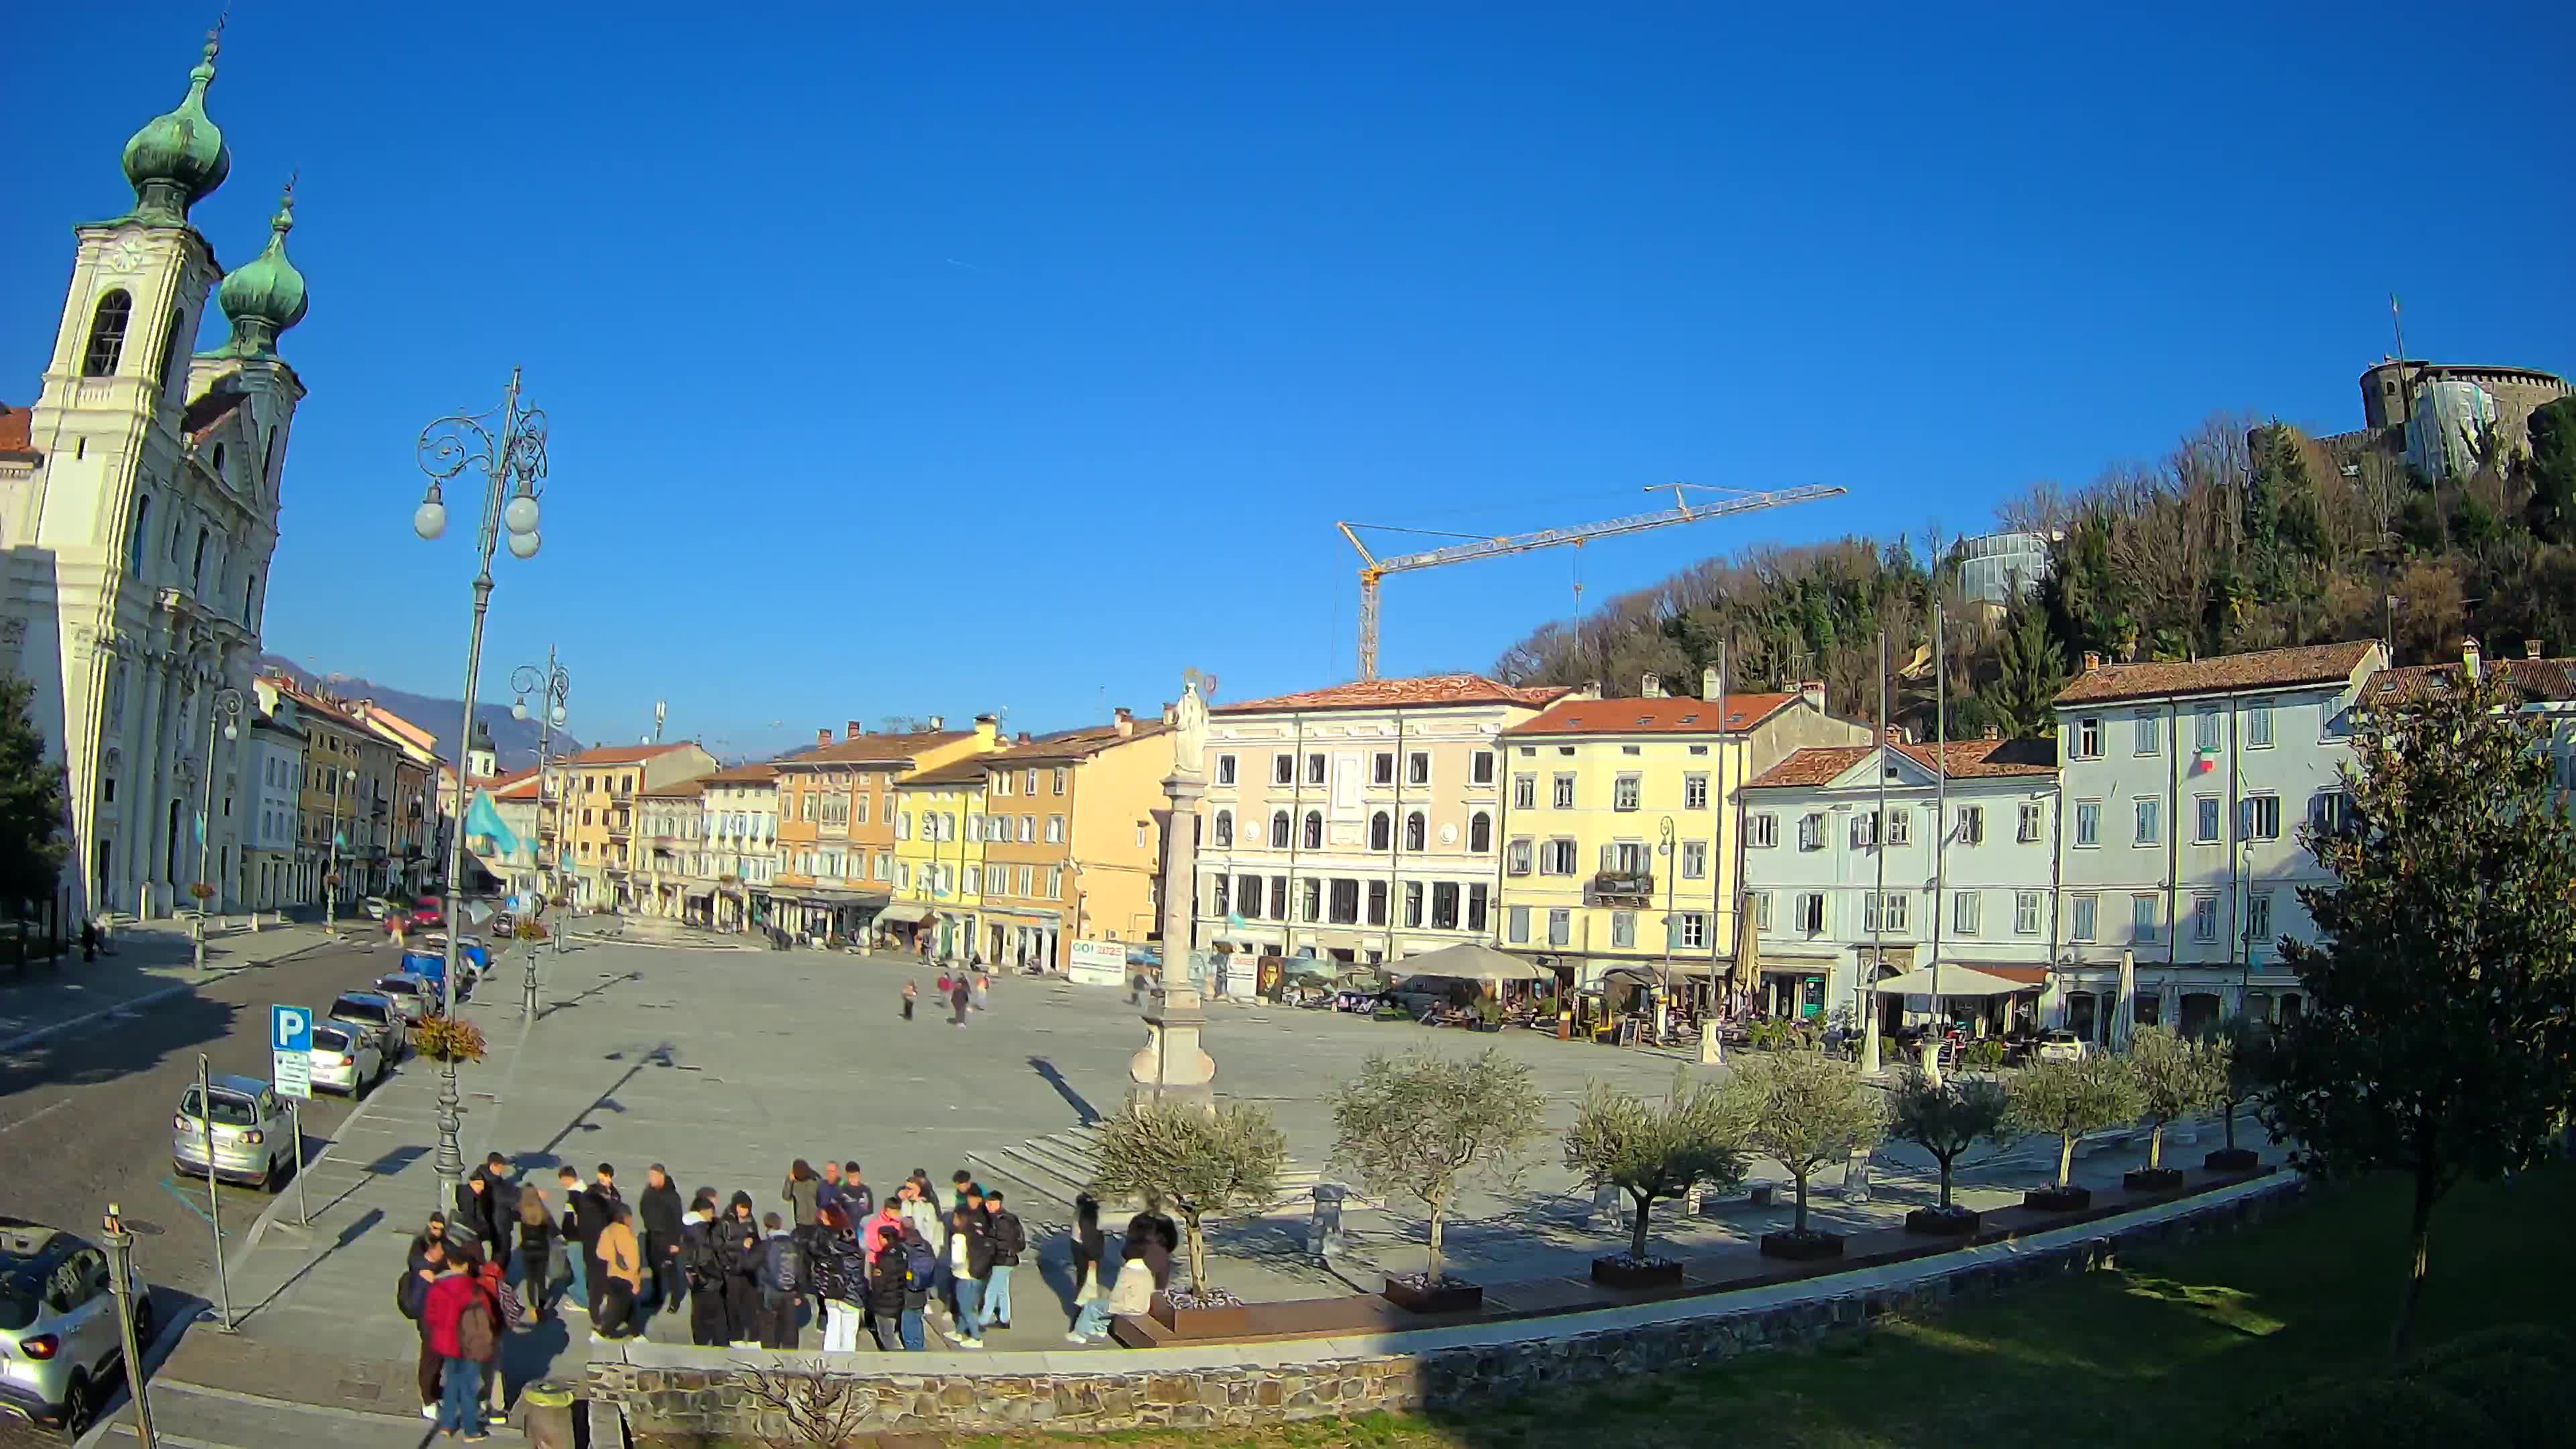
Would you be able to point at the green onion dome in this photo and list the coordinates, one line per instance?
(265, 295)
(178, 158)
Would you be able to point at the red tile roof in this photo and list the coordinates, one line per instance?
(968, 771)
(2539, 679)
(2263, 669)
(1651, 716)
(624, 754)
(1429, 689)
(683, 790)
(1966, 759)
(1068, 746)
(874, 749)
(755, 774)
(17, 435)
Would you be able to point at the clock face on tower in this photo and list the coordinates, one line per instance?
(124, 255)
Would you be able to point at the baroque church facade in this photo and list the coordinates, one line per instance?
(138, 510)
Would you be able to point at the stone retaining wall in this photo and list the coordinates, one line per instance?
(1269, 1381)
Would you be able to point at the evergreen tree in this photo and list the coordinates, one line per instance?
(2551, 471)
(31, 802)
(2030, 672)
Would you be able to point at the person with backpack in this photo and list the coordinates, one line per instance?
(621, 1263)
(464, 1331)
(1009, 1240)
(737, 1239)
(897, 1320)
(838, 1269)
(428, 1259)
(536, 1247)
(970, 1258)
(782, 1283)
(704, 1274)
(513, 1316)
(920, 1285)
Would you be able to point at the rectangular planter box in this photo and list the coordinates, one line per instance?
(1621, 1275)
(2152, 1179)
(1201, 1322)
(2057, 1199)
(2233, 1159)
(1813, 1247)
(1932, 1222)
(1451, 1296)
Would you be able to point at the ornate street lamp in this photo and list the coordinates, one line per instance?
(509, 448)
(553, 687)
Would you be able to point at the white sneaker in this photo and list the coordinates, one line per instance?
(970, 1343)
(429, 1412)
(1077, 1338)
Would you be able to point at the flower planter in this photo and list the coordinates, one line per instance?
(2057, 1199)
(1955, 1222)
(1807, 1247)
(2152, 1179)
(1620, 1273)
(1448, 1295)
(2233, 1159)
(1212, 1322)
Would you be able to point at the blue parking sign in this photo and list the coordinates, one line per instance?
(290, 1029)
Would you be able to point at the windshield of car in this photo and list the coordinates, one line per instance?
(356, 1010)
(398, 986)
(327, 1040)
(230, 1110)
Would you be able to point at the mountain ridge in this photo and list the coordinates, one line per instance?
(514, 740)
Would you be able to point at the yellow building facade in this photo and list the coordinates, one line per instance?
(1620, 843)
(939, 813)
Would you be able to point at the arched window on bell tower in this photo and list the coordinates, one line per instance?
(169, 351)
(107, 334)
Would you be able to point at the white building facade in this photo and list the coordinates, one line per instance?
(139, 517)
(1292, 859)
(2185, 786)
(274, 758)
(1842, 897)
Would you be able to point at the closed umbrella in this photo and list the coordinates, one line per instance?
(2124, 1018)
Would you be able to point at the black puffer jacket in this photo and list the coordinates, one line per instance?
(737, 1239)
(886, 1285)
(835, 1265)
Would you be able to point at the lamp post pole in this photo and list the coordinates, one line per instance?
(1672, 866)
(553, 687)
(509, 448)
(225, 710)
(331, 876)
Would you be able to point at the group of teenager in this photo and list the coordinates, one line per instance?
(834, 1254)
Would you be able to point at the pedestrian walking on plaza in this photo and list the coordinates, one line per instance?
(888, 1284)
(89, 940)
(573, 1231)
(512, 1313)
(838, 1267)
(659, 1209)
(801, 1193)
(536, 1248)
(858, 1200)
(411, 1297)
(909, 992)
(464, 1331)
(621, 1263)
(738, 1255)
(698, 1263)
(782, 1283)
(470, 1220)
(970, 1259)
(983, 990)
(1009, 1240)
(957, 998)
(1133, 1293)
(921, 1286)
(501, 1192)
(1090, 1271)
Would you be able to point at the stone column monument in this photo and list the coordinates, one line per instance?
(1171, 1066)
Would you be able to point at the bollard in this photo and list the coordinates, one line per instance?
(1856, 1177)
(1324, 1230)
(545, 1415)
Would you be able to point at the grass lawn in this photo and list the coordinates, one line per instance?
(2156, 1353)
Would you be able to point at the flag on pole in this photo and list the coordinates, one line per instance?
(481, 818)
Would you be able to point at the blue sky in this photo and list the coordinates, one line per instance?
(951, 358)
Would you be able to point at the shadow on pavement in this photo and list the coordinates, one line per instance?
(118, 1045)
(1085, 1114)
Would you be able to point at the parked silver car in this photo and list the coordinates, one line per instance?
(254, 1143)
(60, 1344)
(346, 1059)
(378, 1017)
(419, 1002)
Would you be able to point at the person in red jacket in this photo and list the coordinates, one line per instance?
(464, 1330)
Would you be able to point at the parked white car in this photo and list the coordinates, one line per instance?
(60, 1345)
(2059, 1045)
(346, 1059)
(253, 1140)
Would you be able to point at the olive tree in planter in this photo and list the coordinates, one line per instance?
(2065, 1100)
(1804, 1109)
(1421, 1124)
(2176, 1076)
(2244, 1048)
(1204, 1162)
(1652, 1151)
(1948, 1119)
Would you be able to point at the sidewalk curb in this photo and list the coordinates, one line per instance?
(277, 1205)
(150, 998)
(155, 1353)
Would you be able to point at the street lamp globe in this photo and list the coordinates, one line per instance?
(559, 716)
(519, 707)
(519, 515)
(232, 732)
(523, 545)
(429, 520)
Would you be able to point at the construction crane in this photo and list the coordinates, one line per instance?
(1476, 546)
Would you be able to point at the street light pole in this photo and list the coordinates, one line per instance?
(1672, 866)
(120, 1267)
(509, 449)
(224, 708)
(553, 687)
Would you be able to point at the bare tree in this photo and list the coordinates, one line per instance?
(819, 1408)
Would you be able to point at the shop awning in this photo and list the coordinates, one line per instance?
(1468, 961)
(903, 913)
(1955, 981)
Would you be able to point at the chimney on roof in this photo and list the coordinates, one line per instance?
(938, 722)
(854, 729)
(1171, 713)
(1591, 690)
(2530, 648)
(1896, 734)
(2469, 657)
(822, 738)
(2092, 660)
(1992, 733)
(1024, 737)
(1125, 719)
(1654, 686)
(988, 729)
(1708, 682)
(1813, 692)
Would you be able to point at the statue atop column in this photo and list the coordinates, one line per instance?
(1171, 1065)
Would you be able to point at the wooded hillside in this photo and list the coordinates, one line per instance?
(2249, 535)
